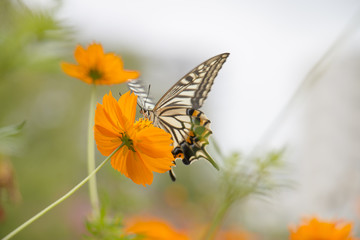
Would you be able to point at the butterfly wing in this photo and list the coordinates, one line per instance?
(176, 112)
(189, 93)
(144, 100)
(192, 89)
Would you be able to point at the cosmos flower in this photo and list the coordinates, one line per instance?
(146, 149)
(315, 229)
(96, 67)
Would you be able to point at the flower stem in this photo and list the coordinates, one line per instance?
(68, 194)
(94, 199)
(217, 220)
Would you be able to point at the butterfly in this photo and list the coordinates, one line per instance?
(177, 111)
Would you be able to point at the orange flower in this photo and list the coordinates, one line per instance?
(146, 148)
(154, 229)
(96, 67)
(314, 229)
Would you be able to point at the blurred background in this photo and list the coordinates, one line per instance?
(291, 80)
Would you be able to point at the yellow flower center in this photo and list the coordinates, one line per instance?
(142, 123)
(127, 141)
(95, 74)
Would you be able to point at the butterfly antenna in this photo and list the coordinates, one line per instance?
(147, 95)
(139, 105)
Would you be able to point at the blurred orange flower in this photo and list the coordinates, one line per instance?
(96, 67)
(154, 229)
(314, 229)
(146, 148)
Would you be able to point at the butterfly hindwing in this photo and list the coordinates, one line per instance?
(193, 146)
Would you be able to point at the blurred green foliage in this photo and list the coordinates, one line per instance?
(33, 89)
(242, 177)
(107, 227)
(8, 140)
(27, 40)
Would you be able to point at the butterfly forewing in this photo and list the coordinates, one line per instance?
(192, 89)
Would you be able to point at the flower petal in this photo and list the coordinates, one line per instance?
(157, 164)
(81, 56)
(109, 125)
(75, 71)
(316, 229)
(128, 74)
(154, 142)
(127, 103)
(95, 54)
(118, 161)
(114, 113)
(137, 170)
(153, 229)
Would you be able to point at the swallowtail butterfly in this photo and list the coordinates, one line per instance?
(177, 111)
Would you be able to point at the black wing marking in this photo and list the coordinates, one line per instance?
(175, 121)
(192, 89)
(193, 146)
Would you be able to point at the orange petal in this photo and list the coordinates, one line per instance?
(157, 164)
(112, 62)
(127, 103)
(129, 74)
(114, 113)
(103, 119)
(155, 229)
(75, 71)
(106, 145)
(137, 170)
(113, 72)
(95, 54)
(119, 159)
(316, 229)
(81, 56)
(154, 142)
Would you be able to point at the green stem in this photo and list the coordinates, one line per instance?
(231, 196)
(94, 199)
(54, 204)
(217, 220)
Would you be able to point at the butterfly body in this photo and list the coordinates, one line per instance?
(177, 111)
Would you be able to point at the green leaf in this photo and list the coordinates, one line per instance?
(11, 130)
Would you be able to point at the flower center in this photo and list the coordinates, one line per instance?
(127, 141)
(142, 123)
(95, 74)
